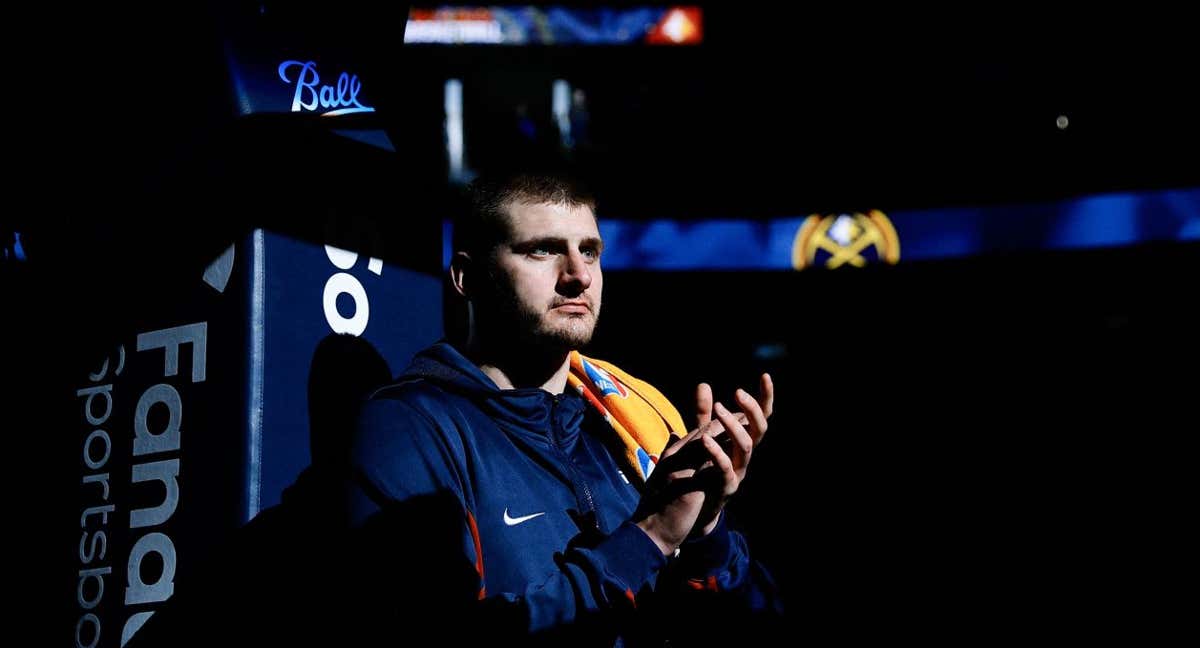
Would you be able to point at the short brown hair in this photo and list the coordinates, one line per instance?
(484, 222)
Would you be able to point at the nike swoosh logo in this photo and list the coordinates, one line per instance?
(512, 521)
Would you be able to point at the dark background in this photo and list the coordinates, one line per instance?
(982, 447)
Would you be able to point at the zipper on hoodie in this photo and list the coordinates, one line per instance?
(587, 492)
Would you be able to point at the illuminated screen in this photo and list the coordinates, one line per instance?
(529, 25)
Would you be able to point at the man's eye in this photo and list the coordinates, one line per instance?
(539, 250)
(591, 253)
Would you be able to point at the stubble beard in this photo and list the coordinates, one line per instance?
(518, 325)
(551, 330)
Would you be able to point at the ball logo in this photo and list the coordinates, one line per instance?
(604, 381)
(856, 239)
(341, 99)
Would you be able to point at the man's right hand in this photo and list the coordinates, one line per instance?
(675, 493)
(673, 499)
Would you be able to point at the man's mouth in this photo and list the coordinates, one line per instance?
(573, 307)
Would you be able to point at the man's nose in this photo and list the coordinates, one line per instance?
(575, 271)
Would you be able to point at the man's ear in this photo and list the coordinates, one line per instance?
(460, 272)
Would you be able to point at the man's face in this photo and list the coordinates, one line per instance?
(547, 274)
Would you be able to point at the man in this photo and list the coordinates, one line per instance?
(510, 469)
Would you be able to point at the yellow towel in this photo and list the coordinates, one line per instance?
(642, 417)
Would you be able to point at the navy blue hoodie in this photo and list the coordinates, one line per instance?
(544, 502)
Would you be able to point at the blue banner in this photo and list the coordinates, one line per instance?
(833, 240)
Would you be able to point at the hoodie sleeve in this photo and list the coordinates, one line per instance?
(715, 578)
(411, 510)
(720, 562)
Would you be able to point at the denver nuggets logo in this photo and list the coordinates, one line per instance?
(846, 238)
(647, 462)
(603, 381)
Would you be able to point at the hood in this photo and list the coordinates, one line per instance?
(528, 408)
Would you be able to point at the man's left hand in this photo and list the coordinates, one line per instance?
(745, 432)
